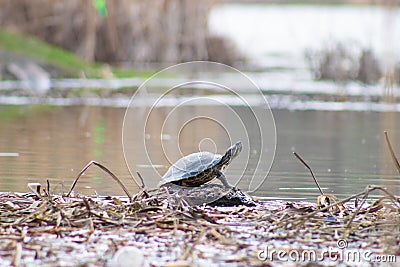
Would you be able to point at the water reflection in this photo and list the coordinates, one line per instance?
(346, 149)
(54, 143)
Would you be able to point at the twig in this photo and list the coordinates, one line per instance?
(87, 205)
(368, 189)
(104, 169)
(36, 190)
(312, 174)
(48, 186)
(194, 242)
(394, 158)
(141, 179)
(143, 192)
(16, 259)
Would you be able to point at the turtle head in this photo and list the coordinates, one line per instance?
(230, 154)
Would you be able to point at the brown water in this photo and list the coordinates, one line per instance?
(346, 150)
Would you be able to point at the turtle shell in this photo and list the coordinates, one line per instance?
(191, 166)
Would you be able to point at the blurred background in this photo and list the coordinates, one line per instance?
(330, 71)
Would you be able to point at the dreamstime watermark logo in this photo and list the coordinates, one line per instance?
(194, 107)
(340, 253)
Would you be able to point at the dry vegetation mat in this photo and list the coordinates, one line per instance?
(147, 230)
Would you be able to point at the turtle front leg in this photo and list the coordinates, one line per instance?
(223, 179)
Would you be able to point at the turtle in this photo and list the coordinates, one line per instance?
(201, 167)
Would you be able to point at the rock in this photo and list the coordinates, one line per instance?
(211, 194)
(234, 198)
(127, 256)
(34, 78)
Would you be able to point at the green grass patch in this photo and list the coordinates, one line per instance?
(45, 53)
(66, 62)
(129, 73)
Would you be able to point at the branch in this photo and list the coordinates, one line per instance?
(104, 169)
(394, 158)
(312, 174)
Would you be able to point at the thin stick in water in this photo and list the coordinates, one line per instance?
(141, 179)
(48, 186)
(104, 169)
(312, 174)
(394, 158)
